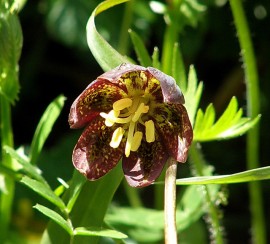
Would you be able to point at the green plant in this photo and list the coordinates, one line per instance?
(83, 211)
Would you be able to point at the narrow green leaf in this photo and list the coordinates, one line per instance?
(192, 94)
(208, 118)
(229, 125)
(11, 173)
(94, 231)
(31, 170)
(56, 217)
(75, 189)
(107, 57)
(178, 68)
(140, 49)
(45, 126)
(89, 205)
(155, 58)
(262, 173)
(44, 190)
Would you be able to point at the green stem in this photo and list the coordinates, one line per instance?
(170, 38)
(6, 197)
(213, 212)
(169, 203)
(132, 195)
(253, 109)
(126, 23)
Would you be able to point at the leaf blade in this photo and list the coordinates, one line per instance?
(94, 231)
(107, 57)
(45, 126)
(262, 173)
(43, 190)
(57, 218)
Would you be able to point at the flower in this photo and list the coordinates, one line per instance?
(133, 113)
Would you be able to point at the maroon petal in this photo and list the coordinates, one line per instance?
(171, 92)
(92, 155)
(142, 168)
(97, 97)
(173, 125)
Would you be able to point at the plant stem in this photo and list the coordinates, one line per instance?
(253, 108)
(132, 195)
(126, 23)
(213, 212)
(6, 196)
(169, 203)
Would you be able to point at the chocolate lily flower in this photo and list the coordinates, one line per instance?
(133, 113)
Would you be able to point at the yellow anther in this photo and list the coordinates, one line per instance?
(122, 104)
(136, 142)
(117, 137)
(140, 110)
(129, 138)
(150, 131)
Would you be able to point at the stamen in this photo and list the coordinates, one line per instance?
(136, 142)
(122, 120)
(150, 131)
(122, 104)
(110, 118)
(129, 138)
(117, 137)
(140, 110)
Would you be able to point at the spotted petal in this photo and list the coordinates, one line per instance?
(174, 128)
(92, 155)
(142, 168)
(97, 97)
(171, 92)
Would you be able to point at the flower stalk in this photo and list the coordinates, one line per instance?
(170, 203)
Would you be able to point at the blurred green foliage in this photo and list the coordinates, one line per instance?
(55, 60)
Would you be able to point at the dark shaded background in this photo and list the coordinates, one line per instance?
(56, 60)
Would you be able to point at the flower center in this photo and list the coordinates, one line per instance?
(128, 113)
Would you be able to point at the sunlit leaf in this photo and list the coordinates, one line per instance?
(31, 170)
(230, 124)
(10, 51)
(107, 57)
(45, 126)
(94, 231)
(178, 68)
(262, 173)
(192, 94)
(140, 49)
(55, 217)
(44, 190)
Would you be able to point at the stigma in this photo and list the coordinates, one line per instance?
(127, 114)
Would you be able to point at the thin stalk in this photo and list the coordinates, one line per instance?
(132, 195)
(253, 109)
(170, 202)
(6, 197)
(215, 227)
(126, 23)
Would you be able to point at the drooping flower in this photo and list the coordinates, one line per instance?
(133, 113)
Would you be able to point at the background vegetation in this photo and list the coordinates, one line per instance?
(55, 59)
